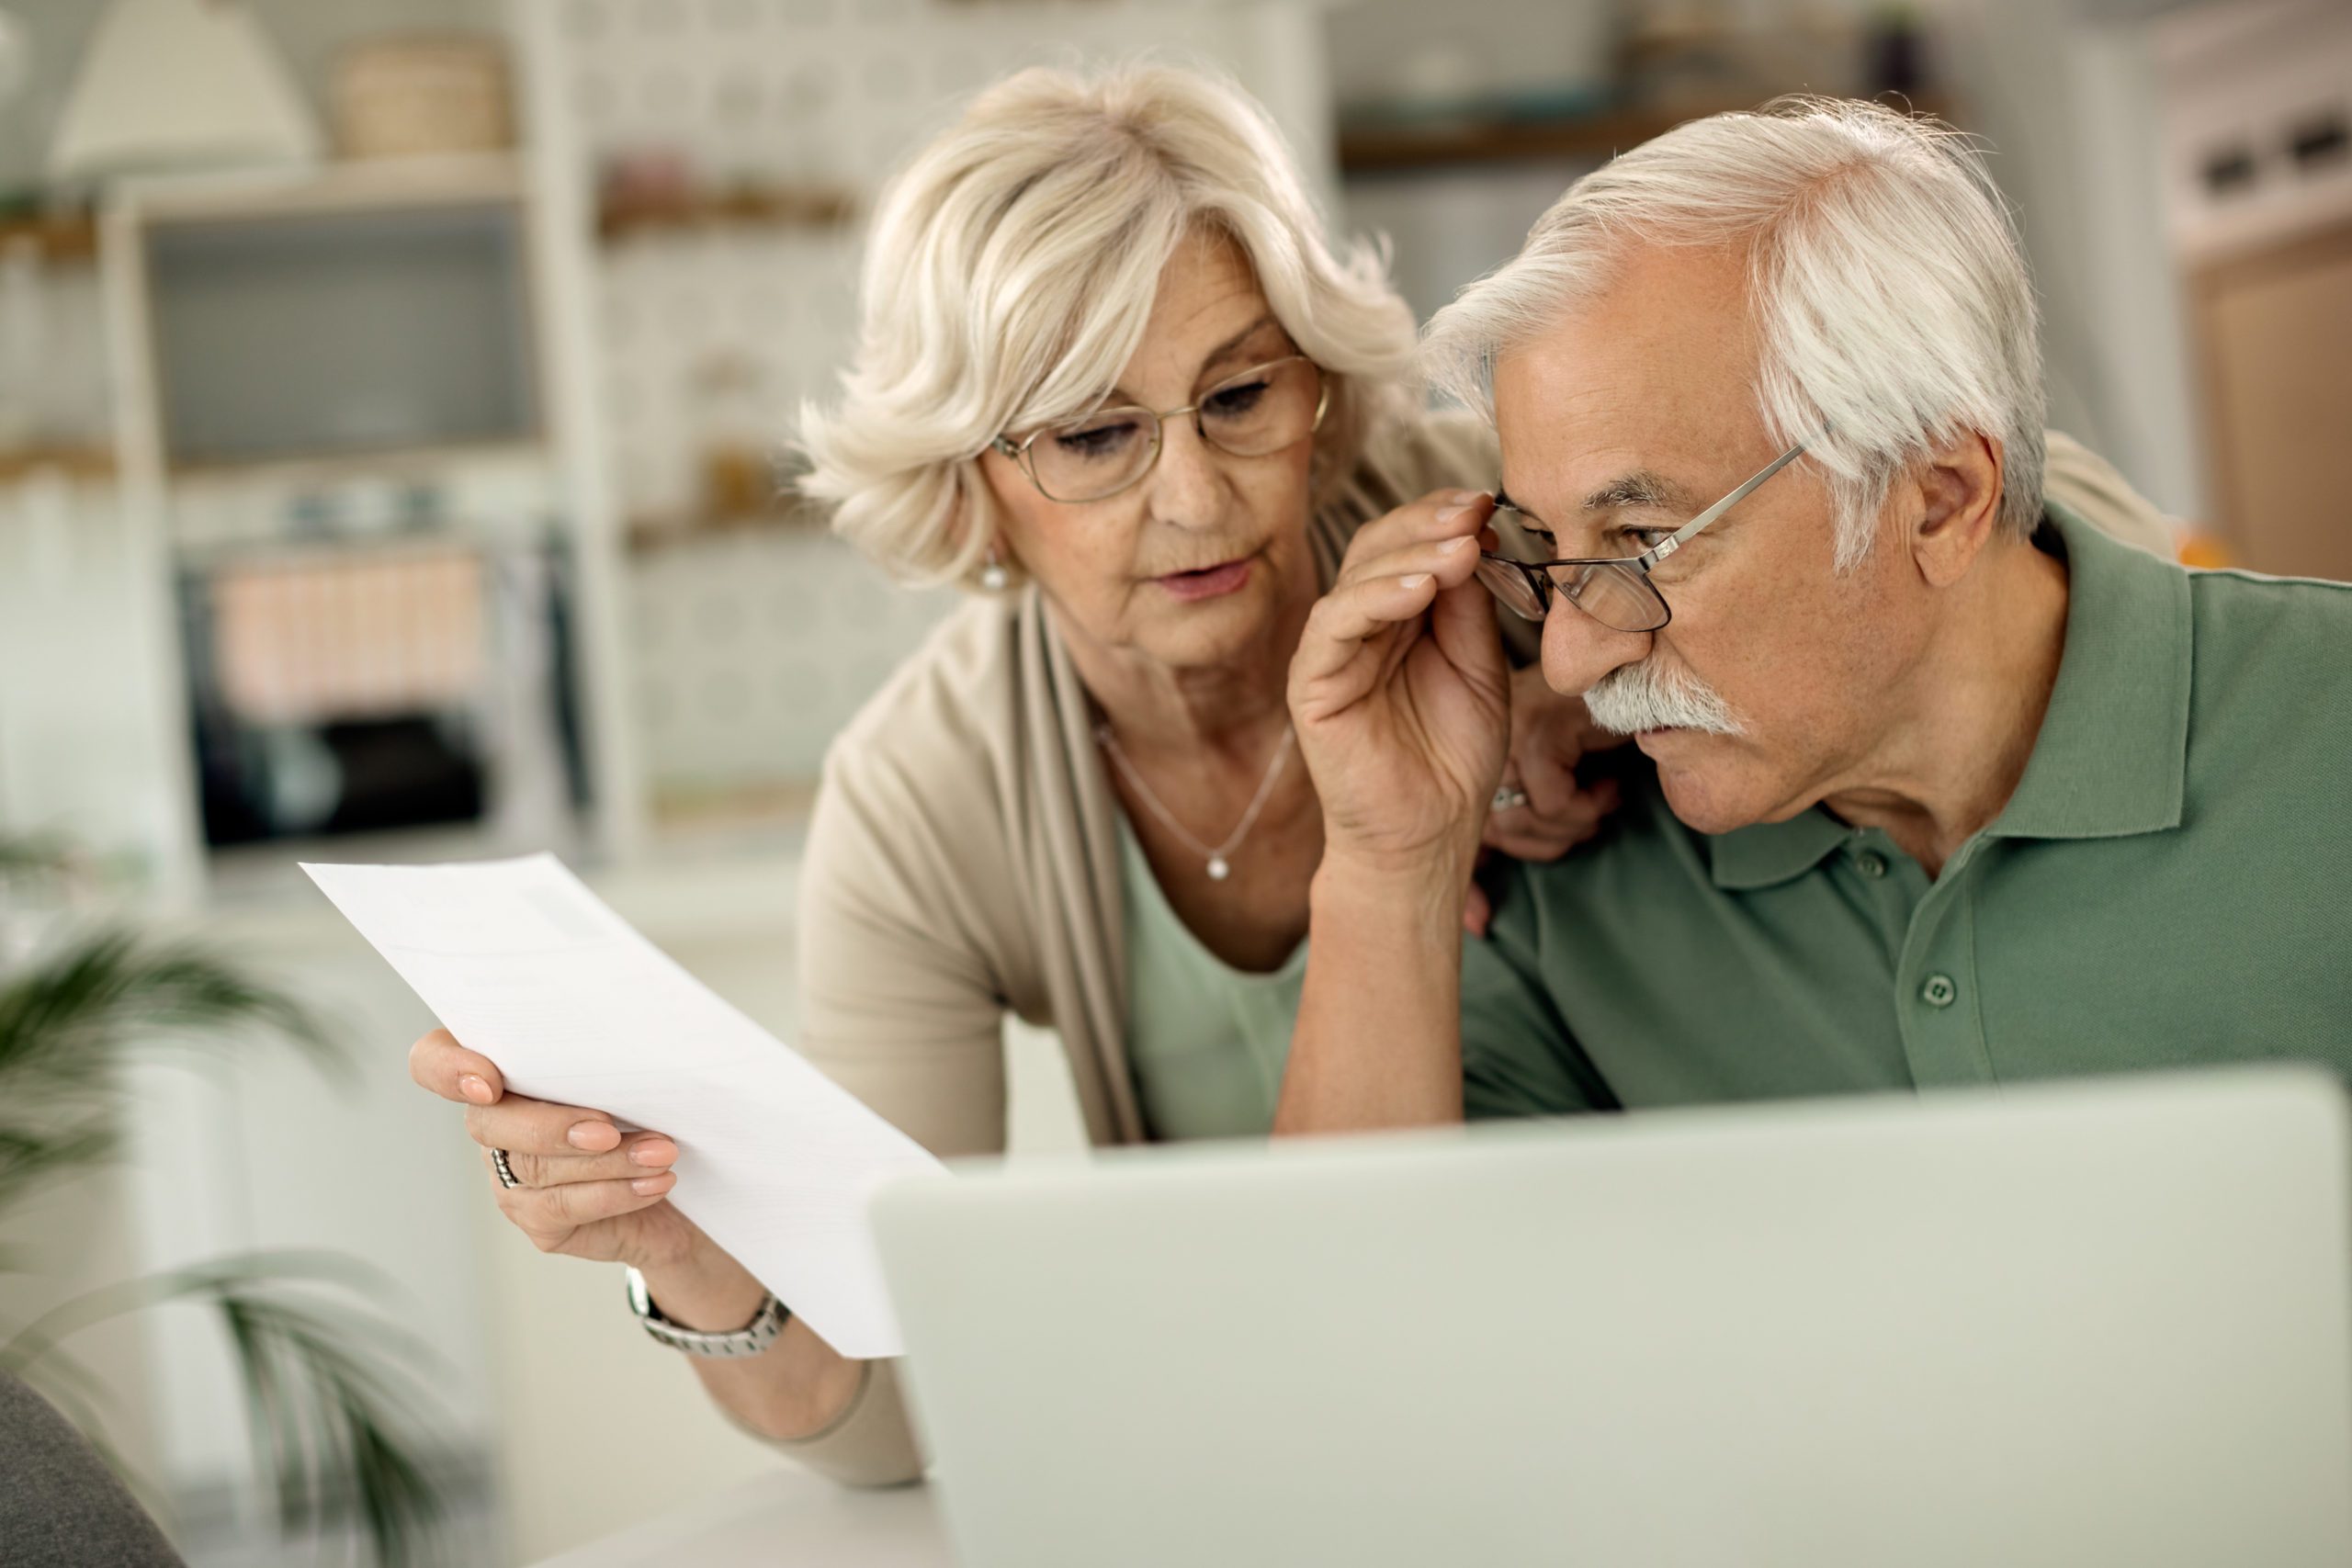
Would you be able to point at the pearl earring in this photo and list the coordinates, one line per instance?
(993, 577)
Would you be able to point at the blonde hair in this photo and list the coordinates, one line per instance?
(1009, 275)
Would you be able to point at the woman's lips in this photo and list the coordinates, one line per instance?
(1208, 583)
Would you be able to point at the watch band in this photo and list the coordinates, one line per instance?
(748, 1340)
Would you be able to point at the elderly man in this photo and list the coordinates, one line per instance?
(1949, 787)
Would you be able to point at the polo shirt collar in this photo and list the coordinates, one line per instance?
(2112, 756)
(1764, 853)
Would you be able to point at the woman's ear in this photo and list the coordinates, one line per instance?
(1959, 500)
(972, 511)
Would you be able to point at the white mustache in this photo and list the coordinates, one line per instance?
(1651, 696)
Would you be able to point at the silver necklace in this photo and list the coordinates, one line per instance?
(1219, 867)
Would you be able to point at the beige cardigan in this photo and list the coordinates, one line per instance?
(964, 861)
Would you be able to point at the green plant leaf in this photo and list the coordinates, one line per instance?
(339, 1399)
(27, 1159)
(71, 1018)
(36, 853)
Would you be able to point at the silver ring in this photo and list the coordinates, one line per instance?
(505, 1171)
(1509, 799)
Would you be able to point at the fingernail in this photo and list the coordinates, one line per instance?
(1415, 581)
(1466, 497)
(1450, 546)
(476, 1089)
(593, 1136)
(1450, 513)
(654, 1151)
(646, 1186)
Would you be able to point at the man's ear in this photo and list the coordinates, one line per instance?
(1959, 488)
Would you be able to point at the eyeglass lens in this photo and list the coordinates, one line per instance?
(1257, 412)
(1511, 588)
(1616, 596)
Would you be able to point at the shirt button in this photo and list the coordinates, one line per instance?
(1938, 992)
(1872, 863)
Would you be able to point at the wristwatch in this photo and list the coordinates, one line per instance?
(748, 1340)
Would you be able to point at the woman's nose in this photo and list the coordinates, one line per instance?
(1579, 650)
(1186, 487)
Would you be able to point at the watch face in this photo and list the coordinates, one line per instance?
(641, 1300)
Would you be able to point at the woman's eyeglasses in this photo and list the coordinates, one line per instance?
(1260, 411)
(1617, 592)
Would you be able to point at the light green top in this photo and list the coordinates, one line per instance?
(1207, 1042)
(2171, 885)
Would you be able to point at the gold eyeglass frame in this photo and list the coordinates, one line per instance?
(1027, 464)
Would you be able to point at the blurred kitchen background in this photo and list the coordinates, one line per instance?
(391, 393)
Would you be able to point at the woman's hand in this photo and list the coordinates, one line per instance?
(1400, 694)
(1550, 734)
(588, 1189)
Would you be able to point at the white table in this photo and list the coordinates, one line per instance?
(787, 1519)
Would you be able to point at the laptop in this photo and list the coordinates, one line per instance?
(2085, 1324)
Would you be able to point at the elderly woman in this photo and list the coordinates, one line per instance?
(1112, 378)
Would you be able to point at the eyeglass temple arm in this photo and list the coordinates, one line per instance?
(1683, 534)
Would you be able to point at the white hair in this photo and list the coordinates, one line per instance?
(1647, 694)
(1888, 285)
(1010, 273)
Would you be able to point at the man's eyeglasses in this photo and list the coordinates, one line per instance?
(1617, 592)
(1260, 412)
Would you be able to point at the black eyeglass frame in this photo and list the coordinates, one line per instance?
(1545, 588)
(1028, 465)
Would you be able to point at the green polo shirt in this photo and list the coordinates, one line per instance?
(2171, 885)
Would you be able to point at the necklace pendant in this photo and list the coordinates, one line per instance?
(1218, 870)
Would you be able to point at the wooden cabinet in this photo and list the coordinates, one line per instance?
(2274, 330)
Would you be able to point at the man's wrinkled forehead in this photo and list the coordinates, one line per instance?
(1594, 451)
(1630, 391)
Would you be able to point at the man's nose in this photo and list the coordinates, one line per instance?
(1579, 650)
(1185, 487)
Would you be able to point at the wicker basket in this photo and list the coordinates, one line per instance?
(423, 95)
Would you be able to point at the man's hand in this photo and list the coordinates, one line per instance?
(1401, 695)
(1403, 705)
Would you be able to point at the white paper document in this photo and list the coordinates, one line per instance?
(775, 1161)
